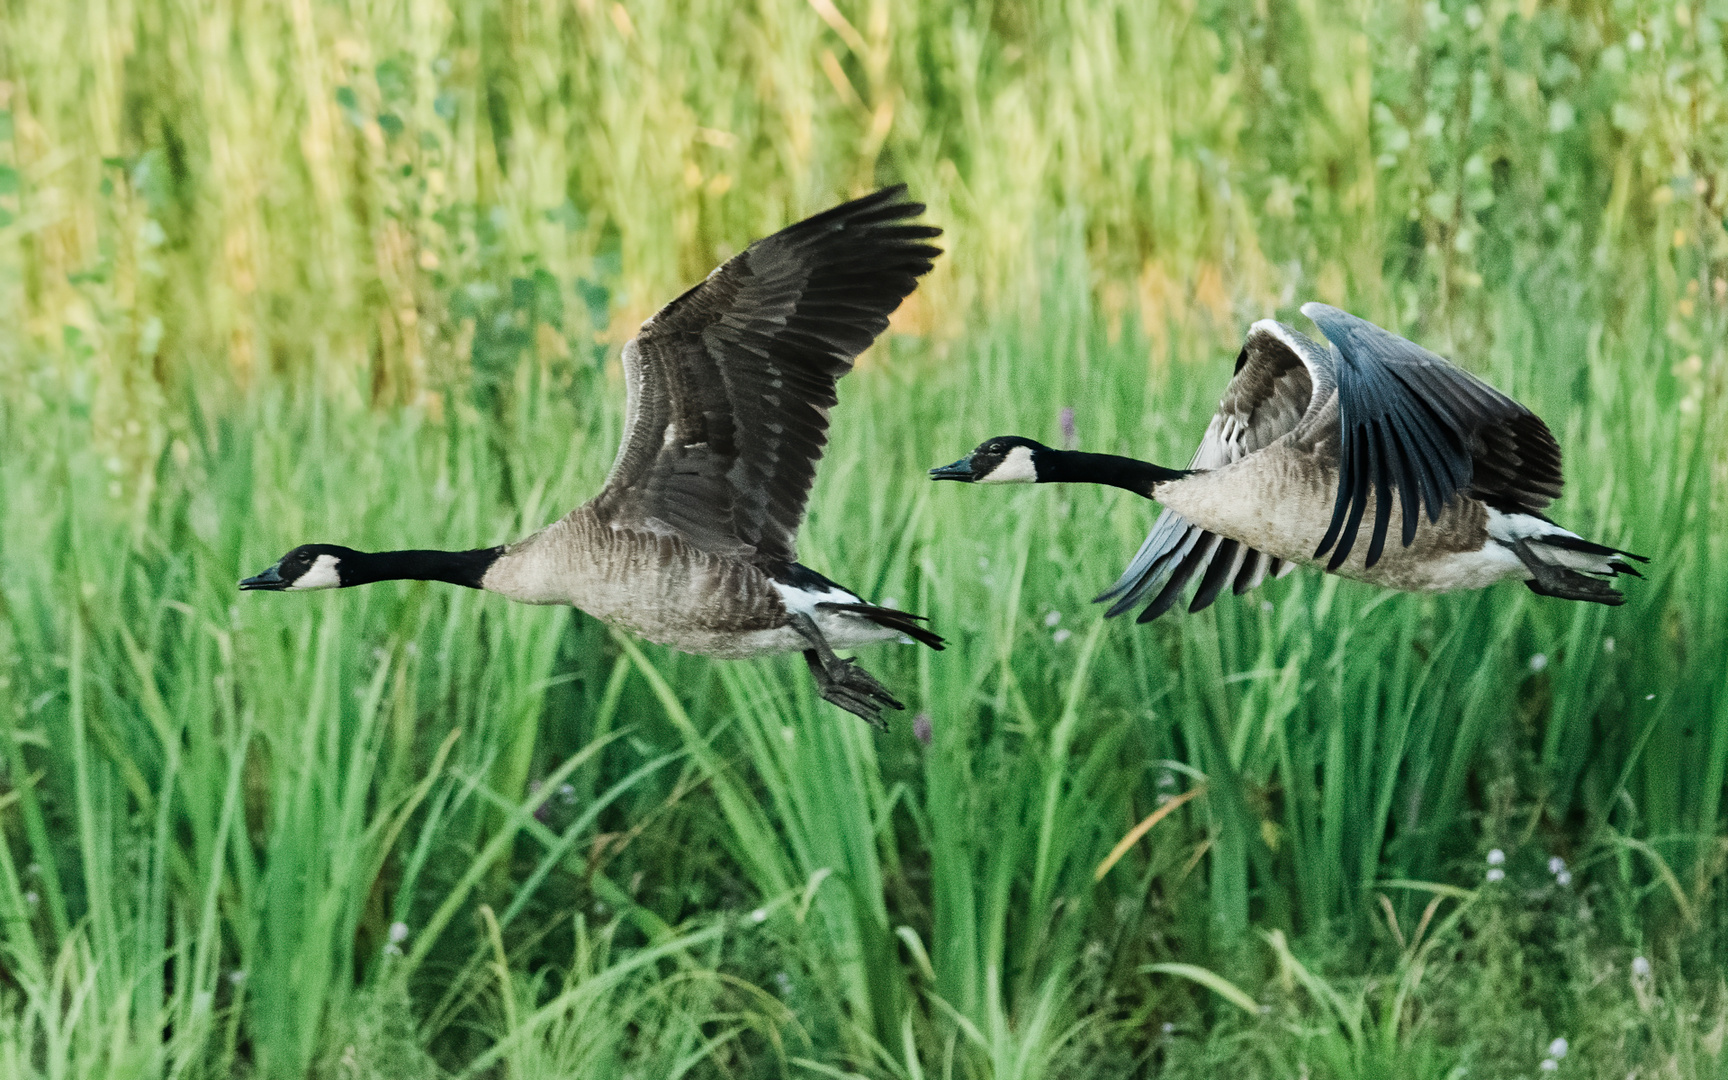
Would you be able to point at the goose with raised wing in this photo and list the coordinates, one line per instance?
(691, 542)
(1373, 458)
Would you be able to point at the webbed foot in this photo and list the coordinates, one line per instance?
(842, 682)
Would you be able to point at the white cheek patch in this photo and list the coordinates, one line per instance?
(322, 575)
(1016, 468)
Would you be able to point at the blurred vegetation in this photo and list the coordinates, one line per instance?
(283, 272)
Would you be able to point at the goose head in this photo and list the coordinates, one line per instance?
(1006, 459)
(309, 566)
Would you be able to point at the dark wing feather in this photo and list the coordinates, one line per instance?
(731, 383)
(1280, 376)
(1413, 421)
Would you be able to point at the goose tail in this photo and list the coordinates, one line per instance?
(902, 621)
(1560, 562)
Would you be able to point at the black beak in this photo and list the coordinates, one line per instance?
(960, 470)
(269, 580)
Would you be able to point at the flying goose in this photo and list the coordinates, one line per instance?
(1315, 450)
(692, 540)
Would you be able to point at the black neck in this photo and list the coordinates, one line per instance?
(1077, 467)
(456, 567)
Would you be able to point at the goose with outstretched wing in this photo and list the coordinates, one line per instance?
(692, 541)
(1374, 459)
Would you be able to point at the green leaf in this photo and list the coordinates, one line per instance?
(1212, 981)
(395, 79)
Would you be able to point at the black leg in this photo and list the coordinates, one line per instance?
(1563, 582)
(841, 682)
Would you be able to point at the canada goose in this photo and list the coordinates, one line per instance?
(1284, 472)
(692, 540)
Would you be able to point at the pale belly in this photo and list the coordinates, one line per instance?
(841, 630)
(662, 590)
(1277, 503)
(673, 626)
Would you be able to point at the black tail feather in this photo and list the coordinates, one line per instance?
(903, 621)
(1588, 547)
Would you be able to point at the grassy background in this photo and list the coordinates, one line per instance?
(358, 272)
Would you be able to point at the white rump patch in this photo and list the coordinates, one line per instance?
(1515, 527)
(1016, 468)
(804, 601)
(843, 629)
(1512, 528)
(321, 575)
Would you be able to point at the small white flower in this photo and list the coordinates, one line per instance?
(1549, 1064)
(1266, 606)
(1168, 1028)
(759, 915)
(1640, 967)
(1608, 644)
(1496, 857)
(1053, 618)
(1635, 41)
(237, 976)
(890, 601)
(1061, 635)
(1265, 1010)
(1166, 779)
(398, 933)
(1557, 1049)
(1649, 697)
(31, 898)
(1556, 865)
(1563, 878)
(1538, 662)
(1496, 874)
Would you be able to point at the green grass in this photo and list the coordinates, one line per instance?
(359, 274)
